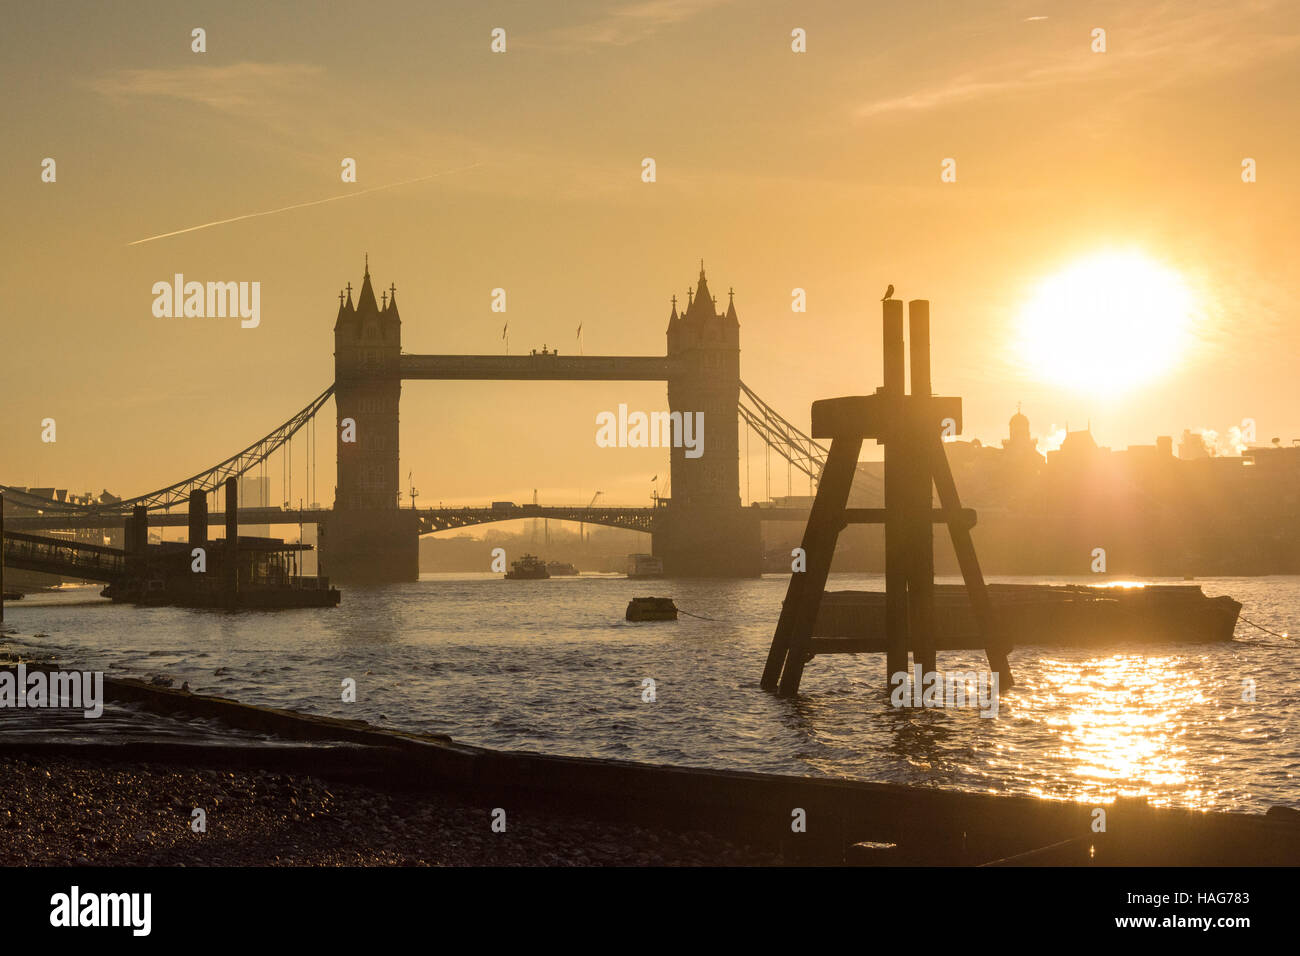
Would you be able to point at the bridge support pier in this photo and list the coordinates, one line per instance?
(702, 543)
(370, 546)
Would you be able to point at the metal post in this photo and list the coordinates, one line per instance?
(198, 519)
(232, 538)
(139, 537)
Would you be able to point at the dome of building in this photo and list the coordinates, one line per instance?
(1019, 425)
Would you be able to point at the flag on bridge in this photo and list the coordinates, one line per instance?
(579, 338)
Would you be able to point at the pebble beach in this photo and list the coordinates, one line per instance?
(57, 810)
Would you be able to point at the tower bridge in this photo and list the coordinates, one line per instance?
(702, 530)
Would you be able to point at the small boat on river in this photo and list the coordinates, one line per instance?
(644, 566)
(528, 568)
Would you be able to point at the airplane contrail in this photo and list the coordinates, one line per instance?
(300, 205)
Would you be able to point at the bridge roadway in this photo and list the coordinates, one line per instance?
(544, 367)
(99, 563)
(431, 519)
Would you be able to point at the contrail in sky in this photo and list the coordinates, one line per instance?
(300, 205)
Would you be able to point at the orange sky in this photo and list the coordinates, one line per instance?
(817, 170)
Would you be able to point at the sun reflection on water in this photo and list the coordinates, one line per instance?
(1121, 723)
(1180, 724)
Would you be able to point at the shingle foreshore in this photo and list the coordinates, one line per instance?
(57, 810)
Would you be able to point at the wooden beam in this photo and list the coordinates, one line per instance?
(922, 424)
(896, 625)
(994, 643)
(909, 427)
(868, 416)
(800, 614)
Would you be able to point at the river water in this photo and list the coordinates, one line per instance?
(552, 666)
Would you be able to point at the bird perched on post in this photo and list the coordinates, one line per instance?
(888, 293)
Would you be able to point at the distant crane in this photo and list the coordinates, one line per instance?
(534, 520)
(581, 537)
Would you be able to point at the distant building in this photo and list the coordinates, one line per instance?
(1021, 445)
(1078, 451)
(1150, 512)
(255, 492)
(1275, 472)
(1192, 446)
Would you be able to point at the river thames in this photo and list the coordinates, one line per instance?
(552, 666)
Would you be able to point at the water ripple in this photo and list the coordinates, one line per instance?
(553, 667)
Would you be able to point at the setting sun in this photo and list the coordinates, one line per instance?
(1106, 323)
(711, 434)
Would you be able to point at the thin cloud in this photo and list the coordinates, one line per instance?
(623, 26)
(300, 205)
(229, 89)
(959, 89)
(1166, 47)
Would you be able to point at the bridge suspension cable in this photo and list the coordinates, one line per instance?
(780, 435)
(233, 467)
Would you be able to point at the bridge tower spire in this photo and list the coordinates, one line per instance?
(673, 320)
(367, 535)
(705, 532)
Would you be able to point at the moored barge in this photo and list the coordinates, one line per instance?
(264, 570)
(1066, 615)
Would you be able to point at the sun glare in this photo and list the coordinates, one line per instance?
(1106, 324)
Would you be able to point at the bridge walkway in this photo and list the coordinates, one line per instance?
(69, 559)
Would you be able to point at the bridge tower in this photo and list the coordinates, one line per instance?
(368, 536)
(706, 532)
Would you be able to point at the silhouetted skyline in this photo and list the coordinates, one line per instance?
(817, 171)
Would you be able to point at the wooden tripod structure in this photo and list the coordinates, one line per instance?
(911, 429)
